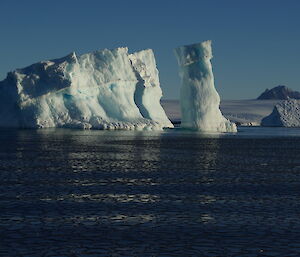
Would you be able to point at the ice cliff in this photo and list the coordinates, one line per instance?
(106, 89)
(285, 114)
(199, 99)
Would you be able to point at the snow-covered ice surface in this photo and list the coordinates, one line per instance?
(285, 114)
(245, 112)
(106, 89)
(198, 97)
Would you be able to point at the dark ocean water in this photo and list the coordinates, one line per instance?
(171, 193)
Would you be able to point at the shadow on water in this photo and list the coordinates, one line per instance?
(174, 192)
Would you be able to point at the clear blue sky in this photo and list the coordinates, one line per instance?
(256, 44)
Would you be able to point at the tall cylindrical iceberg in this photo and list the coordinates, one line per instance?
(199, 99)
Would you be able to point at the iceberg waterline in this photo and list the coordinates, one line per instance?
(111, 89)
(106, 89)
(199, 99)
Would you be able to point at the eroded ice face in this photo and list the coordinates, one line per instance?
(106, 89)
(199, 99)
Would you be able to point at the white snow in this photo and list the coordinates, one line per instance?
(247, 112)
(244, 112)
(285, 114)
(106, 89)
(198, 97)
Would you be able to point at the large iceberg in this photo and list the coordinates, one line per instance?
(198, 97)
(106, 89)
(285, 114)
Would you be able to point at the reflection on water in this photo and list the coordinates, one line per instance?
(170, 193)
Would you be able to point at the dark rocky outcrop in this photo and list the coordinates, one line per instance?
(280, 92)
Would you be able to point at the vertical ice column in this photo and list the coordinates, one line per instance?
(199, 99)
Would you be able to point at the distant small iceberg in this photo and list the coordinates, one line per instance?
(285, 114)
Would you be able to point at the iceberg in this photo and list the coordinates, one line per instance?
(105, 89)
(199, 99)
(285, 114)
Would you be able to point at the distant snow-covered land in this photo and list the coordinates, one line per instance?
(245, 112)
